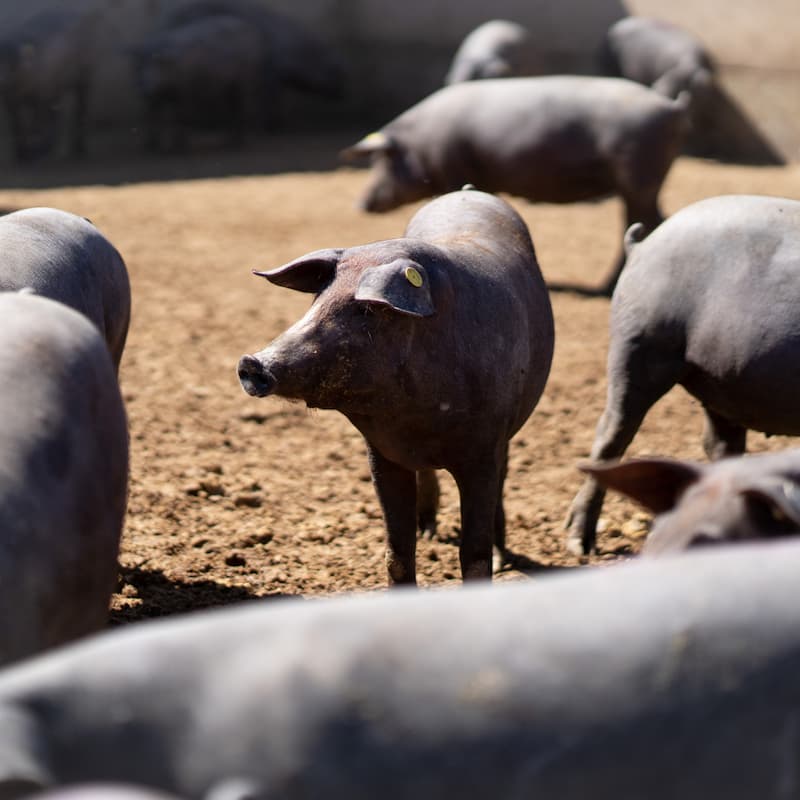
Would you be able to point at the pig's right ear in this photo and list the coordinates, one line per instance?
(655, 483)
(309, 273)
(373, 144)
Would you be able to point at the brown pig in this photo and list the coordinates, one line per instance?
(437, 347)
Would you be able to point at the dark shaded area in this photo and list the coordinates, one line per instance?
(161, 596)
(117, 158)
(722, 130)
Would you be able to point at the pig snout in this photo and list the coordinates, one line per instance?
(255, 378)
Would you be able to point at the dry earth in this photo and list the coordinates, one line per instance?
(233, 497)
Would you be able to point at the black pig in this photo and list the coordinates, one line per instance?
(436, 346)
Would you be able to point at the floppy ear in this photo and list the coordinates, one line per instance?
(21, 769)
(377, 142)
(655, 483)
(309, 273)
(401, 284)
(781, 495)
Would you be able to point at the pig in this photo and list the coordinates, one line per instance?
(63, 475)
(705, 302)
(558, 139)
(732, 500)
(497, 49)
(46, 65)
(106, 791)
(529, 689)
(208, 72)
(298, 59)
(437, 347)
(64, 257)
(657, 54)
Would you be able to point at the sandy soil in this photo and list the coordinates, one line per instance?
(233, 497)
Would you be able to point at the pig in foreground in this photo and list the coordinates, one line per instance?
(660, 679)
(436, 346)
(705, 302)
(63, 475)
(556, 139)
(733, 500)
(64, 257)
(46, 66)
(108, 791)
(497, 49)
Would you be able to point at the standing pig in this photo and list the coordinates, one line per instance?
(707, 302)
(497, 49)
(657, 54)
(436, 346)
(64, 257)
(45, 64)
(556, 139)
(733, 500)
(63, 475)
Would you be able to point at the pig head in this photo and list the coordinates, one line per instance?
(736, 499)
(436, 347)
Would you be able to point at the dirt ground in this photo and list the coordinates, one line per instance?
(233, 497)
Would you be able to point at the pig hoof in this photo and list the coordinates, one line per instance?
(575, 546)
(499, 560)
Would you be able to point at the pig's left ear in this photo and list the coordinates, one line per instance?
(401, 284)
(656, 483)
(780, 495)
(309, 273)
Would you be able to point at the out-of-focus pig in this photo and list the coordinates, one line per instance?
(118, 791)
(63, 475)
(296, 58)
(436, 346)
(732, 500)
(497, 49)
(657, 54)
(557, 139)
(707, 302)
(64, 257)
(206, 73)
(46, 64)
(523, 690)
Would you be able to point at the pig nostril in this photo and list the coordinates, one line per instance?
(255, 380)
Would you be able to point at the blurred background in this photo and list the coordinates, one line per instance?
(388, 55)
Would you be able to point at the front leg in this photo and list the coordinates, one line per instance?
(480, 486)
(396, 488)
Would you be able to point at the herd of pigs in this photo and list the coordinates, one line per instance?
(437, 347)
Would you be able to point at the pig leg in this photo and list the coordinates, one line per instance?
(427, 502)
(637, 209)
(722, 438)
(499, 549)
(628, 402)
(396, 488)
(480, 487)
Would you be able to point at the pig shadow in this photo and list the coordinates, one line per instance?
(160, 596)
(579, 289)
(517, 562)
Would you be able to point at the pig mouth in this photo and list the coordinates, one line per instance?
(256, 380)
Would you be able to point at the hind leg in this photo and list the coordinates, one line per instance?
(427, 502)
(636, 380)
(722, 438)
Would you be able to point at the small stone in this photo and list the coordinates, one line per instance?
(236, 560)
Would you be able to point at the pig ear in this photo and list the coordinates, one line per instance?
(309, 273)
(655, 483)
(401, 284)
(781, 496)
(374, 143)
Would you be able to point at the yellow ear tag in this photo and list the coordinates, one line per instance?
(413, 277)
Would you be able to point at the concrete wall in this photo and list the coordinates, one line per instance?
(396, 52)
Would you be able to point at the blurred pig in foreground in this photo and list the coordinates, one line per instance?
(63, 475)
(659, 679)
(437, 347)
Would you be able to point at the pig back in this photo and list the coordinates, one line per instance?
(501, 319)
